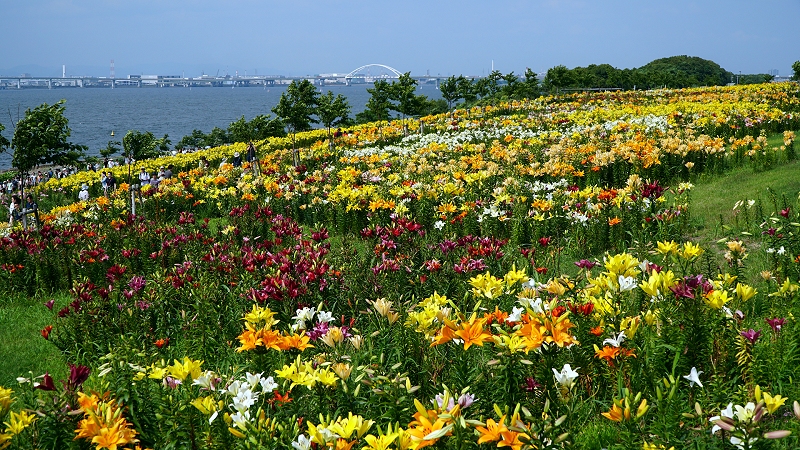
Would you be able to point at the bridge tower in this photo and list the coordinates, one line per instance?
(113, 75)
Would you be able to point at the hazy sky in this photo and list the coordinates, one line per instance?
(298, 37)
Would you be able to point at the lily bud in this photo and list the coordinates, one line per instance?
(642, 409)
(725, 425)
(777, 434)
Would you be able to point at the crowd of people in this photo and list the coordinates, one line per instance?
(12, 189)
(17, 212)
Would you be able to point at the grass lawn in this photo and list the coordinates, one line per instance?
(713, 198)
(23, 348)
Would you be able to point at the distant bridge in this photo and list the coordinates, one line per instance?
(356, 76)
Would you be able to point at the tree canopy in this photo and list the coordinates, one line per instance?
(259, 128)
(333, 111)
(141, 145)
(689, 70)
(672, 72)
(379, 103)
(41, 137)
(297, 105)
(4, 143)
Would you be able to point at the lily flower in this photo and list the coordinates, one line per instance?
(694, 377)
(776, 323)
(751, 335)
(615, 341)
(566, 377)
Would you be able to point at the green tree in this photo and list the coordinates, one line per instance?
(4, 143)
(529, 87)
(511, 87)
(429, 107)
(194, 140)
(467, 89)
(493, 83)
(408, 104)
(139, 146)
(685, 71)
(796, 69)
(163, 143)
(333, 111)
(378, 105)
(557, 78)
(218, 136)
(295, 108)
(260, 128)
(41, 138)
(450, 91)
(111, 148)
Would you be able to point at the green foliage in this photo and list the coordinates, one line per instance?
(297, 106)
(333, 111)
(378, 105)
(111, 148)
(4, 143)
(399, 96)
(449, 90)
(406, 102)
(558, 77)
(754, 78)
(41, 138)
(195, 140)
(673, 72)
(140, 145)
(796, 70)
(688, 71)
(259, 128)
(295, 109)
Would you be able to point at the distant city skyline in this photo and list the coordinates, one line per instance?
(449, 37)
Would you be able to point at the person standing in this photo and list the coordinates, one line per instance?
(111, 181)
(104, 183)
(83, 195)
(250, 156)
(154, 180)
(32, 208)
(144, 177)
(14, 209)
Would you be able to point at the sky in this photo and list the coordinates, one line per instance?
(436, 37)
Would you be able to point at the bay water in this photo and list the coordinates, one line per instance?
(93, 113)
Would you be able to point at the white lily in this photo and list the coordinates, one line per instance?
(626, 283)
(566, 377)
(302, 443)
(694, 377)
(615, 341)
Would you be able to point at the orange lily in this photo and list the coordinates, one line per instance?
(472, 332)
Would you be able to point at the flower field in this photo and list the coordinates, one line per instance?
(520, 275)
